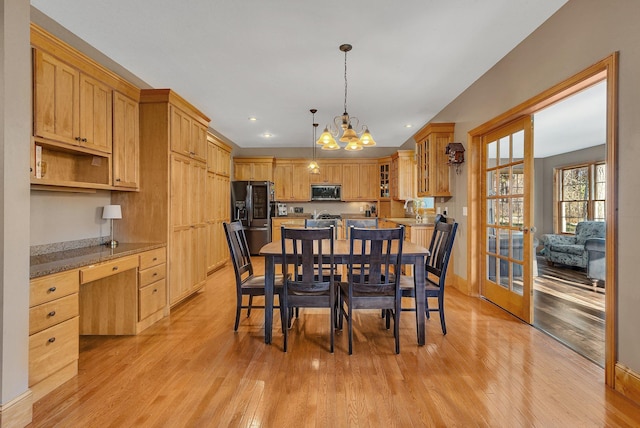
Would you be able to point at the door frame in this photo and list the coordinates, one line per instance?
(606, 68)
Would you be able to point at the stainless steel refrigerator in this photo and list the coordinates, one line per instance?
(253, 204)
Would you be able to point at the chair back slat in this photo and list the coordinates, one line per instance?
(328, 222)
(312, 259)
(440, 248)
(368, 223)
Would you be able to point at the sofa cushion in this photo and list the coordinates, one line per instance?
(589, 229)
(575, 249)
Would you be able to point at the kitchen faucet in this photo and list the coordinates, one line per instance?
(406, 203)
(318, 214)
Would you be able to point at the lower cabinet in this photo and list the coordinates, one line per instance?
(152, 286)
(53, 331)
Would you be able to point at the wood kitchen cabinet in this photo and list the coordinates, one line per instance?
(256, 169)
(126, 142)
(170, 206)
(330, 173)
(218, 202)
(188, 135)
(69, 106)
(53, 331)
(291, 180)
(384, 166)
(79, 120)
(432, 168)
(402, 175)
(360, 181)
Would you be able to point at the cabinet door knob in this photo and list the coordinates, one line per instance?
(155, 274)
(117, 179)
(52, 339)
(52, 289)
(52, 313)
(78, 139)
(84, 140)
(155, 290)
(115, 268)
(155, 258)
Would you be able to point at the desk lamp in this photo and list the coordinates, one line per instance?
(111, 212)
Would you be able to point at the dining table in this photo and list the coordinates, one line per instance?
(412, 254)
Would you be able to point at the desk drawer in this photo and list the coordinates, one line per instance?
(52, 349)
(51, 287)
(152, 274)
(152, 298)
(52, 313)
(153, 258)
(106, 269)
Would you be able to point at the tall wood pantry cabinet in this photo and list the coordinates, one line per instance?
(218, 201)
(171, 204)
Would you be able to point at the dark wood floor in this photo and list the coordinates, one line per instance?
(192, 370)
(567, 307)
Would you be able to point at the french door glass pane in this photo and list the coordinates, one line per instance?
(517, 150)
(503, 187)
(517, 211)
(504, 273)
(492, 211)
(516, 246)
(492, 183)
(504, 148)
(492, 154)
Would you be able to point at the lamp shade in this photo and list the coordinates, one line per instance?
(112, 212)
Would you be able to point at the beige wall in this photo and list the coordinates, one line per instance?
(577, 36)
(15, 132)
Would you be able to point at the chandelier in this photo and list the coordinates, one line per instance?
(313, 167)
(345, 124)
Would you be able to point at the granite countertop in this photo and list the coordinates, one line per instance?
(410, 221)
(60, 261)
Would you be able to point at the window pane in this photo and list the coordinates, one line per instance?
(598, 208)
(517, 211)
(492, 183)
(516, 271)
(575, 184)
(492, 211)
(517, 181)
(504, 273)
(517, 146)
(492, 154)
(504, 181)
(491, 268)
(572, 214)
(505, 149)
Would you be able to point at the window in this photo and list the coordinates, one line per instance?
(581, 195)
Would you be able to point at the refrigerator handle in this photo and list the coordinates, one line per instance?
(249, 204)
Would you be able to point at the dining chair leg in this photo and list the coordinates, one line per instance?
(441, 310)
(426, 307)
(396, 325)
(238, 308)
(287, 320)
(332, 304)
(350, 328)
(250, 303)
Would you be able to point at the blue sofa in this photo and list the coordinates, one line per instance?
(596, 260)
(570, 249)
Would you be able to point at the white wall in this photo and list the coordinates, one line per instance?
(580, 34)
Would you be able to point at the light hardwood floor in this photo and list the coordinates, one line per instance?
(192, 370)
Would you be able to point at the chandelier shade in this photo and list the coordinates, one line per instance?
(345, 124)
(313, 167)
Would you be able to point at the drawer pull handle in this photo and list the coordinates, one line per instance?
(155, 274)
(52, 339)
(52, 313)
(115, 268)
(155, 290)
(52, 289)
(155, 259)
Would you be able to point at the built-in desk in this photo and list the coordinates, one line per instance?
(91, 290)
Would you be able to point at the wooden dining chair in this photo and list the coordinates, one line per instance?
(436, 266)
(247, 283)
(323, 222)
(375, 287)
(307, 264)
(368, 223)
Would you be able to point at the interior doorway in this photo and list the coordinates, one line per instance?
(569, 156)
(477, 268)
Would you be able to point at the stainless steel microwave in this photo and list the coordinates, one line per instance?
(323, 192)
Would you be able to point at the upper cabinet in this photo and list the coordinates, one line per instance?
(402, 175)
(330, 173)
(188, 135)
(360, 181)
(218, 156)
(291, 179)
(83, 114)
(384, 165)
(255, 169)
(432, 167)
(126, 142)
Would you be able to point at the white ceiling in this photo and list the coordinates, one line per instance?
(277, 59)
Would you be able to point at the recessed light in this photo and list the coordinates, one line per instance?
(253, 119)
(267, 135)
(408, 125)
